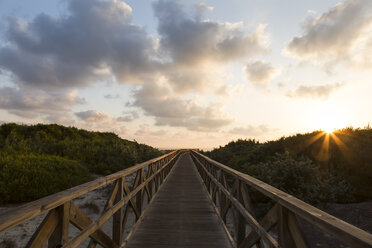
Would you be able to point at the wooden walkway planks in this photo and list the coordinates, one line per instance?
(181, 215)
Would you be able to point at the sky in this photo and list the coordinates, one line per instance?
(187, 74)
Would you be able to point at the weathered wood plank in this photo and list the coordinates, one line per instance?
(143, 214)
(81, 221)
(131, 201)
(117, 228)
(181, 215)
(60, 234)
(284, 236)
(295, 230)
(267, 222)
(44, 231)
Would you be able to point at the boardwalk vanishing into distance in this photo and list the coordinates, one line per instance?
(181, 215)
(181, 199)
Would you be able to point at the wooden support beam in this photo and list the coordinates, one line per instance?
(139, 199)
(114, 192)
(44, 231)
(117, 228)
(296, 231)
(267, 222)
(108, 205)
(223, 200)
(228, 202)
(240, 222)
(81, 221)
(60, 235)
(131, 201)
(284, 235)
(125, 219)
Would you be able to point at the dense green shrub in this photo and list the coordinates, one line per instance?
(301, 178)
(27, 176)
(42, 159)
(101, 153)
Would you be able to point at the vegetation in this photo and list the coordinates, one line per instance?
(315, 167)
(39, 160)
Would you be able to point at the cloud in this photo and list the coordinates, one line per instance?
(125, 118)
(94, 116)
(36, 103)
(62, 118)
(197, 79)
(340, 34)
(194, 50)
(100, 121)
(146, 130)
(251, 130)
(204, 7)
(209, 123)
(190, 41)
(93, 41)
(159, 102)
(316, 91)
(260, 73)
(112, 96)
(112, 46)
(128, 116)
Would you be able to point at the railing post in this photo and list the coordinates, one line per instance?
(139, 194)
(223, 200)
(117, 228)
(60, 235)
(239, 219)
(284, 236)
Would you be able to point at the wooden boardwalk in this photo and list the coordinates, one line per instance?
(182, 214)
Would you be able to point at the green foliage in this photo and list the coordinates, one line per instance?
(66, 153)
(314, 167)
(300, 177)
(27, 176)
(101, 153)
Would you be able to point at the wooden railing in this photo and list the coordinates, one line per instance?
(124, 198)
(283, 215)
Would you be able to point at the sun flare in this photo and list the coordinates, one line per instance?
(327, 117)
(328, 130)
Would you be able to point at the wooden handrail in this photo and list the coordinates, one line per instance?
(214, 173)
(62, 211)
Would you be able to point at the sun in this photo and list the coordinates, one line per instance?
(327, 117)
(328, 130)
